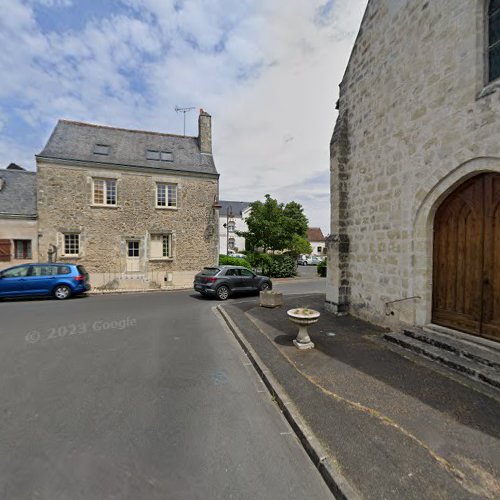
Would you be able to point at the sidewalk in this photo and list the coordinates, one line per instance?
(394, 426)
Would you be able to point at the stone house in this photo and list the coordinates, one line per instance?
(232, 217)
(415, 168)
(138, 209)
(317, 240)
(18, 219)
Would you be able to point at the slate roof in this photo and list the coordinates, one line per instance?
(18, 193)
(237, 207)
(315, 234)
(76, 141)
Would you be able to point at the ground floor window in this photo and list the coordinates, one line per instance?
(71, 244)
(22, 249)
(133, 248)
(231, 243)
(161, 246)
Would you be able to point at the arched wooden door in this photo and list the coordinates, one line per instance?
(466, 273)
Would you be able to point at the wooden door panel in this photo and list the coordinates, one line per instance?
(5, 250)
(458, 261)
(491, 272)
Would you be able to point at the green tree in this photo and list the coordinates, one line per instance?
(275, 226)
(299, 245)
(295, 219)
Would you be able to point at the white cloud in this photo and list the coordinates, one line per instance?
(268, 72)
(53, 3)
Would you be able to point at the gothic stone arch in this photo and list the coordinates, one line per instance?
(423, 229)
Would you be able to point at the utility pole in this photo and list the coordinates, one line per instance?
(183, 111)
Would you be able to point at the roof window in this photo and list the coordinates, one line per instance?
(159, 155)
(101, 149)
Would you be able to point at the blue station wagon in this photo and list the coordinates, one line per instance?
(60, 280)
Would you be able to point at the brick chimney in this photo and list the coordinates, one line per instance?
(205, 132)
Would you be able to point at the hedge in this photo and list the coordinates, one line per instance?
(225, 260)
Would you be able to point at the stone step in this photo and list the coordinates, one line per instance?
(468, 367)
(458, 346)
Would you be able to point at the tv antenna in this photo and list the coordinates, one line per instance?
(183, 111)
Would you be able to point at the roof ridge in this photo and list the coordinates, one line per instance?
(109, 127)
(18, 171)
(235, 201)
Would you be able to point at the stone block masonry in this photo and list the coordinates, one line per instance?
(65, 206)
(416, 119)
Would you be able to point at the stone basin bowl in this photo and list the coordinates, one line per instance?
(303, 317)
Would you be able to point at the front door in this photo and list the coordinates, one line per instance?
(466, 274)
(133, 256)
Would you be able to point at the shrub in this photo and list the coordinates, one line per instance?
(274, 266)
(225, 260)
(322, 268)
(282, 266)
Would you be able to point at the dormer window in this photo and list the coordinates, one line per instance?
(494, 40)
(101, 149)
(166, 156)
(152, 154)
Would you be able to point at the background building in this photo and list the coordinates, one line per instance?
(415, 168)
(137, 209)
(18, 224)
(317, 240)
(232, 217)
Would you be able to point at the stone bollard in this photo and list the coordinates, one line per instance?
(271, 299)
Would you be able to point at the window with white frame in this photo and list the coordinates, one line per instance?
(231, 243)
(71, 244)
(104, 191)
(231, 226)
(166, 195)
(161, 246)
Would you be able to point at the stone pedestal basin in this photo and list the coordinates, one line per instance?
(303, 317)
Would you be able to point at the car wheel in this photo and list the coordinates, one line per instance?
(265, 286)
(223, 292)
(62, 292)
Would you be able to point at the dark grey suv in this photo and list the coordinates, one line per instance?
(222, 281)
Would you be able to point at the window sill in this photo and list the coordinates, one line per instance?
(166, 208)
(161, 259)
(93, 205)
(489, 89)
(70, 256)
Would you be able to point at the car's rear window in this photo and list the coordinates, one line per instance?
(81, 269)
(209, 271)
(63, 270)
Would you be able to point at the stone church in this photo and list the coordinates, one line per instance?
(415, 168)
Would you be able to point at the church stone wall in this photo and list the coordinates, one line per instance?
(416, 119)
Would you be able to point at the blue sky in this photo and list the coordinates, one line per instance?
(267, 70)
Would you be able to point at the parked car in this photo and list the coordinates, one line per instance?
(312, 260)
(238, 255)
(301, 260)
(223, 281)
(60, 280)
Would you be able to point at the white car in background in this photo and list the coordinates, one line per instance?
(312, 260)
(238, 255)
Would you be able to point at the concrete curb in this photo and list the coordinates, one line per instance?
(134, 290)
(329, 470)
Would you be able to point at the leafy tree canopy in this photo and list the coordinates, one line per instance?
(276, 226)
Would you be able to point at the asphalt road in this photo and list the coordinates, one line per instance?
(143, 396)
